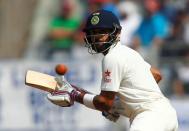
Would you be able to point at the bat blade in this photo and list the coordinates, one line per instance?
(41, 81)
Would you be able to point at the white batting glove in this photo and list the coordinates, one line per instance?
(64, 84)
(111, 116)
(61, 97)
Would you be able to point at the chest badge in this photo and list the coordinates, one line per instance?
(107, 76)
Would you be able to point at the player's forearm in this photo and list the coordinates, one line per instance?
(92, 101)
(100, 105)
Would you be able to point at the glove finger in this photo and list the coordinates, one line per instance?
(53, 97)
(105, 114)
(112, 118)
(116, 114)
(109, 117)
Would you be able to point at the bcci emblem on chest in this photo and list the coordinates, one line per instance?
(107, 76)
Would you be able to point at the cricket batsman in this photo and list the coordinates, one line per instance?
(129, 85)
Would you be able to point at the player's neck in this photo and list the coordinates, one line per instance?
(111, 47)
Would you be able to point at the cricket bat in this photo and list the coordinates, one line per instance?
(41, 81)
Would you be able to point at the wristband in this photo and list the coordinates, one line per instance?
(88, 100)
(74, 94)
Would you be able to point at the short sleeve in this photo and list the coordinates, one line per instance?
(111, 74)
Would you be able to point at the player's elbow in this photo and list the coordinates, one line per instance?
(157, 74)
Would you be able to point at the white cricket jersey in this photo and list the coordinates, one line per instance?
(126, 72)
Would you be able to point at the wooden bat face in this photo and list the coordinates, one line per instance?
(41, 81)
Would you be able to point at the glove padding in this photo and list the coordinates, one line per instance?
(61, 96)
(114, 113)
(111, 116)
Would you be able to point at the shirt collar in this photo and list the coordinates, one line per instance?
(113, 46)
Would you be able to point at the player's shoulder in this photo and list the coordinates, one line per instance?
(120, 51)
(122, 54)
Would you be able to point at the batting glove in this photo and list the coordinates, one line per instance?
(62, 96)
(111, 116)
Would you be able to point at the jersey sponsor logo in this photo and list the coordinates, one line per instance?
(107, 76)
